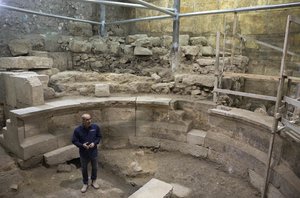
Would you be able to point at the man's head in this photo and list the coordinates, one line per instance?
(86, 120)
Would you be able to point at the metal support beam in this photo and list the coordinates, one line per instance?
(175, 46)
(244, 9)
(140, 19)
(102, 29)
(121, 4)
(277, 105)
(245, 38)
(234, 30)
(217, 69)
(47, 15)
(151, 6)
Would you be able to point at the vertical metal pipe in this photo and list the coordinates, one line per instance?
(175, 45)
(217, 63)
(102, 28)
(233, 37)
(276, 111)
(224, 47)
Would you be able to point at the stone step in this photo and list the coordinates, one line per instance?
(25, 62)
(38, 145)
(61, 155)
(154, 188)
(196, 137)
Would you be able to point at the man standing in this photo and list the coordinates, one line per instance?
(86, 137)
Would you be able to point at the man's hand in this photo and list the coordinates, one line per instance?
(85, 145)
(91, 145)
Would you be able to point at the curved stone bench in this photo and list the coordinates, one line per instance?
(238, 139)
(241, 141)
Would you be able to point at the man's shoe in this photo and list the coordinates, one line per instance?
(95, 185)
(84, 188)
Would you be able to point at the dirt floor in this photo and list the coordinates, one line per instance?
(123, 171)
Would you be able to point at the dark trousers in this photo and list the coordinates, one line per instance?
(84, 168)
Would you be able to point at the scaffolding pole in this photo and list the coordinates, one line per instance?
(121, 4)
(277, 115)
(151, 6)
(243, 9)
(175, 45)
(102, 29)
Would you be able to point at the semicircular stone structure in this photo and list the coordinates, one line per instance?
(236, 138)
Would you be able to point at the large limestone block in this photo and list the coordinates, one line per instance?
(207, 51)
(26, 62)
(23, 88)
(141, 51)
(203, 80)
(102, 90)
(80, 46)
(196, 137)
(154, 188)
(190, 50)
(206, 61)
(61, 155)
(29, 91)
(19, 47)
(132, 38)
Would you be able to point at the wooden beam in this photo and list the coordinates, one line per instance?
(250, 95)
(250, 76)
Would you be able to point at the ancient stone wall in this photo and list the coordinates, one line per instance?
(267, 26)
(14, 24)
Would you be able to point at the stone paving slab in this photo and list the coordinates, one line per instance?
(154, 188)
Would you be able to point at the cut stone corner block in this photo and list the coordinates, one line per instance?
(196, 137)
(29, 91)
(102, 90)
(154, 188)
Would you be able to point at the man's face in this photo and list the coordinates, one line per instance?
(86, 120)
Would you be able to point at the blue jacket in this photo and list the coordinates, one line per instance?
(82, 135)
